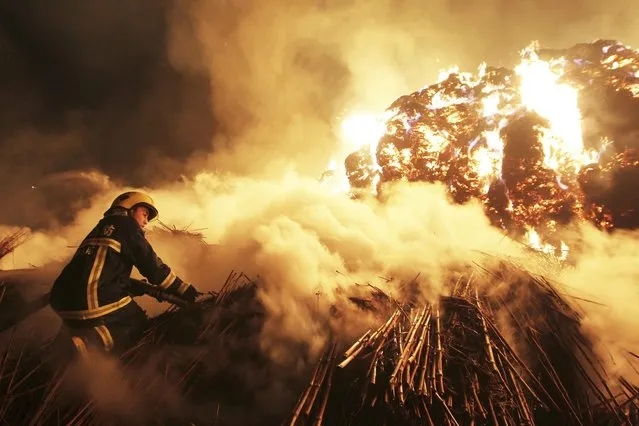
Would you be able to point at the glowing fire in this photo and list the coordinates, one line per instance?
(363, 129)
(359, 130)
(513, 139)
(542, 92)
(535, 242)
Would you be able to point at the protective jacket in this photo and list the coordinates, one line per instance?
(96, 280)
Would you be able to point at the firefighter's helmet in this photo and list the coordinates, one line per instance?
(129, 200)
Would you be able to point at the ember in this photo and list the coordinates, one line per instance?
(543, 145)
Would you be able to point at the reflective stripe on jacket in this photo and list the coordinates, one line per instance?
(95, 282)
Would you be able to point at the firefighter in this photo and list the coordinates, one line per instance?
(92, 294)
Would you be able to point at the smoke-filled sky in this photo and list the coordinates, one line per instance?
(140, 94)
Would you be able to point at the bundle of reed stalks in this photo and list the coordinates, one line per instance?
(484, 353)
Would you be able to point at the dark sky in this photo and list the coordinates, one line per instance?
(87, 85)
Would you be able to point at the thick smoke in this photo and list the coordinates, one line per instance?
(298, 236)
(605, 278)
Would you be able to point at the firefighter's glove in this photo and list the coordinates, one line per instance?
(135, 289)
(190, 294)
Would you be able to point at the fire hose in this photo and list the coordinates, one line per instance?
(137, 288)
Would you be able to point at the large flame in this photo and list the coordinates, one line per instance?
(513, 139)
(359, 130)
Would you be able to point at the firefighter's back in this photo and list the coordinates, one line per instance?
(94, 282)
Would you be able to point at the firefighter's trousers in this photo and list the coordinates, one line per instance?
(114, 333)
